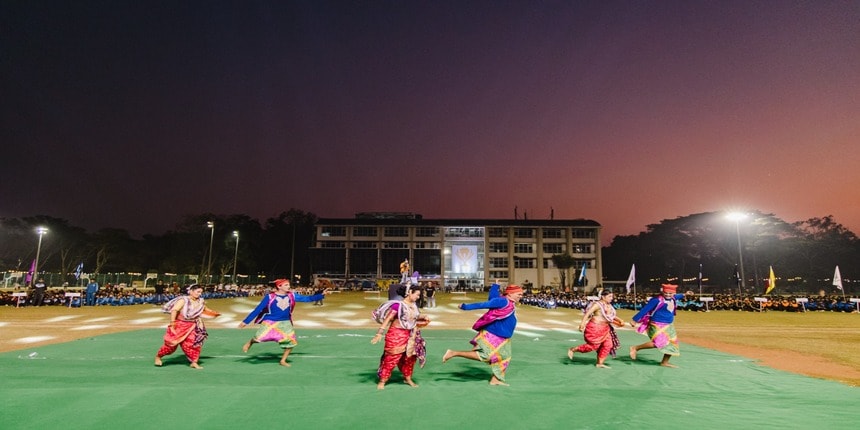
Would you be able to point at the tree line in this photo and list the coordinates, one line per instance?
(803, 253)
(277, 247)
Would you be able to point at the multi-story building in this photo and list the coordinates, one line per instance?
(457, 252)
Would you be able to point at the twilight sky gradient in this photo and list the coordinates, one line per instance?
(130, 114)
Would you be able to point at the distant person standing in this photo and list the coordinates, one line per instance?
(657, 320)
(404, 271)
(92, 289)
(39, 289)
(320, 292)
(430, 293)
(159, 292)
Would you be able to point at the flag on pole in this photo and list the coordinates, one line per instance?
(29, 277)
(699, 280)
(771, 281)
(631, 280)
(582, 274)
(837, 278)
(78, 270)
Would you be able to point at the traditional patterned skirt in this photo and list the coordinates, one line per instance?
(402, 349)
(494, 350)
(600, 337)
(277, 331)
(190, 335)
(664, 337)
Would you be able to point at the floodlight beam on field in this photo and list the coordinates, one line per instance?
(211, 226)
(41, 232)
(235, 257)
(737, 217)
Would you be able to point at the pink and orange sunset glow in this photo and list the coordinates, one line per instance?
(132, 114)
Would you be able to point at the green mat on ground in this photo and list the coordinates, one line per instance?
(110, 381)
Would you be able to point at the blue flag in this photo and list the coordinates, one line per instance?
(78, 270)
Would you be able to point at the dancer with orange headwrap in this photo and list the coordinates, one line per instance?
(274, 313)
(495, 328)
(657, 319)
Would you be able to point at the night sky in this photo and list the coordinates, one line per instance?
(132, 114)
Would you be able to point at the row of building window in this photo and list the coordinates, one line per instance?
(520, 248)
(529, 263)
(372, 245)
(456, 232)
(494, 247)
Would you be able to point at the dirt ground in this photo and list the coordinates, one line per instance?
(804, 364)
(32, 323)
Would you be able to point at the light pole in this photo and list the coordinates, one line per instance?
(41, 232)
(737, 217)
(211, 226)
(293, 252)
(235, 257)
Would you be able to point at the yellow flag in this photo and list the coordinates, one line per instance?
(771, 281)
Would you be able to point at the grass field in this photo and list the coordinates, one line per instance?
(819, 344)
(93, 368)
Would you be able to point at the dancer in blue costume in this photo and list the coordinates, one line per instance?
(275, 316)
(495, 328)
(657, 319)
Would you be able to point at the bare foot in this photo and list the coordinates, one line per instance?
(447, 356)
(632, 352)
(499, 383)
(667, 364)
(602, 366)
(570, 353)
(158, 361)
(196, 366)
(246, 346)
(284, 363)
(411, 383)
(380, 385)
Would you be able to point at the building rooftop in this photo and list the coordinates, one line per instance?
(467, 222)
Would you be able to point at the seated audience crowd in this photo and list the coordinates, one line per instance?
(551, 299)
(111, 295)
(548, 298)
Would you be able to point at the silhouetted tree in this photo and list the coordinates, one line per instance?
(563, 262)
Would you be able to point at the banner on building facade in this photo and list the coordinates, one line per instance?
(464, 258)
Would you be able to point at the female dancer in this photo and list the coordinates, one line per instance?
(598, 332)
(186, 328)
(403, 342)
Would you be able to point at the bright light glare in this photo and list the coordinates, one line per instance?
(736, 216)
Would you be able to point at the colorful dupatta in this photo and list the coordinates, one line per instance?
(493, 315)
